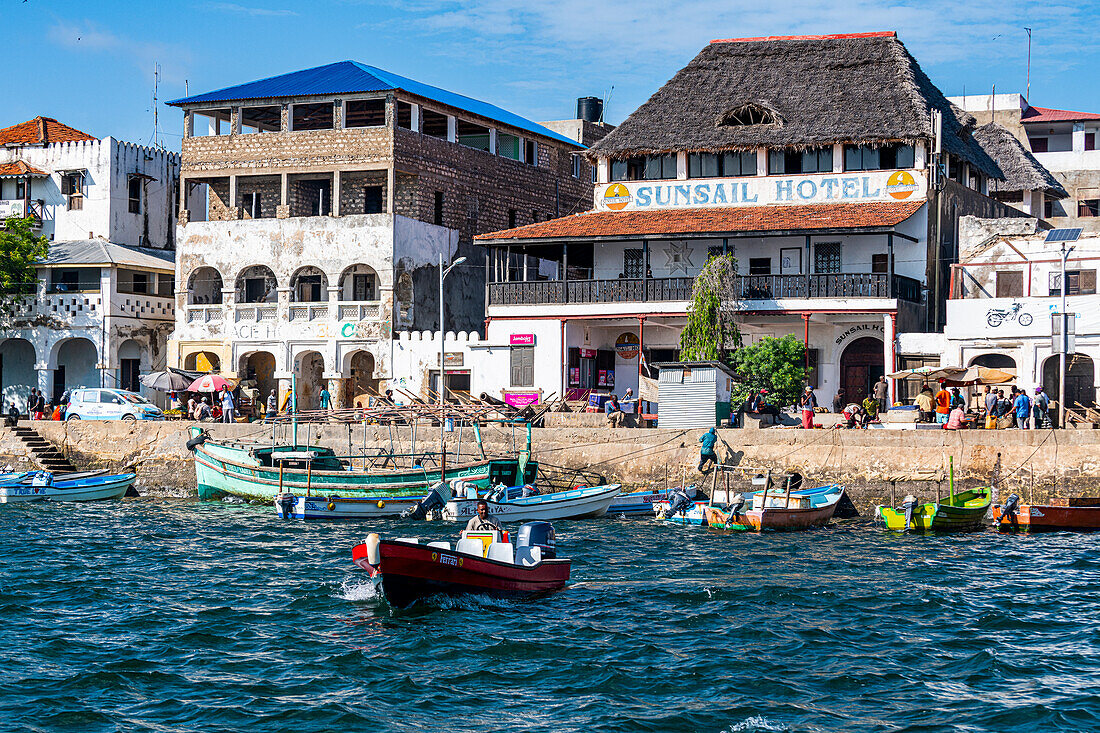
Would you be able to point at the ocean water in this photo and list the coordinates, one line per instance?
(151, 615)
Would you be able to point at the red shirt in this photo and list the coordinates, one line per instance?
(943, 402)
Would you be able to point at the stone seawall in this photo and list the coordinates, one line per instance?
(1037, 463)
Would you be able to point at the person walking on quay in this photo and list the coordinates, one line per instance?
(989, 401)
(839, 400)
(1022, 406)
(272, 405)
(1039, 408)
(325, 399)
(227, 406)
(706, 451)
(614, 412)
(926, 404)
(807, 402)
(882, 393)
(943, 404)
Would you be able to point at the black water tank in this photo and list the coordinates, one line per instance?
(589, 108)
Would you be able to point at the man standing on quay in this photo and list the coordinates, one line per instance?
(882, 393)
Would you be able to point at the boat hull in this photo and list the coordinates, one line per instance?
(334, 508)
(636, 502)
(1050, 518)
(573, 504)
(696, 516)
(966, 514)
(409, 572)
(222, 469)
(88, 489)
(776, 518)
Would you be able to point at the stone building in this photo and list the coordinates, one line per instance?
(1063, 141)
(103, 304)
(831, 168)
(320, 202)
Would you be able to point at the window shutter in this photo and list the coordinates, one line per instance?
(1010, 284)
(66, 185)
(1086, 285)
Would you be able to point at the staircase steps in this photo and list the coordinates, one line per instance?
(44, 453)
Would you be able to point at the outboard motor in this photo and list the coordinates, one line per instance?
(1008, 510)
(794, 481)
(286, 503)
(538, 534)
(678, 501)
(909, 505)
(437, 498)
(737, 505)
(529, 490)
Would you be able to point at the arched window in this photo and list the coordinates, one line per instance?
(359, 283)
(309, 285)
(749, 114)
(257, 284)
(204, 287)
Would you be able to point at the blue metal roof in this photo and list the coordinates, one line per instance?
(346, 77)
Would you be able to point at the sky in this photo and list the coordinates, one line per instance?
(91, 64)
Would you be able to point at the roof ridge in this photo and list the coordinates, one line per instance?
(826, 37)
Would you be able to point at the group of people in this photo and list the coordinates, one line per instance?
(996, 409)
(224, 408)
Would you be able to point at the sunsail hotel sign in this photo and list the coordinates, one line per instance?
(855, 187)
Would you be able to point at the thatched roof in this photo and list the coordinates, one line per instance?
(857, 88)
(1019, 168)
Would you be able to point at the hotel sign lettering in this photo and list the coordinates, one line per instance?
(822, 188)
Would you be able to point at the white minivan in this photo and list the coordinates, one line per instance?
(110, 404)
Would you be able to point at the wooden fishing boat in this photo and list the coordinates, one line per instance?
(45, 486)
(255, 471)
(578, 503)
(313, 507)
(779, 511)
(637, 502)
(961, 512)
(482, 563)
(1079, 514)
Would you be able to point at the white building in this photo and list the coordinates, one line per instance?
(1005, 290)
(102, 307)
(811, 159)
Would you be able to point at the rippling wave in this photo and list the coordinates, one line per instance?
(146, 615)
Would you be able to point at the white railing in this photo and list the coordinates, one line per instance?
(359, 311)
(308, 312)
(205, 314)
(264, 312)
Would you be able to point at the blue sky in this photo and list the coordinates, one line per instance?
(90, 64)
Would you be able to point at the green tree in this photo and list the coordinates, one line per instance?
(775, 364)
(711, 333)
(20, 249)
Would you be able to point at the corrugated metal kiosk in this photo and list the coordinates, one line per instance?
(693, 394)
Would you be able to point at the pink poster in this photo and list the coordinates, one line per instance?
(521, 399)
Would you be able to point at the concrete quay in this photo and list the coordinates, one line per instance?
(1035, 463)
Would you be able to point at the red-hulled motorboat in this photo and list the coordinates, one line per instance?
(482, 563)
(1080, 514)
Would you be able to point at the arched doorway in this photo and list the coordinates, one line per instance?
(309, 285)
(861, 365)
(995, 361)
(17, 374)
(361, 383)
(359, 283)
(309, 370)
(202, 361)
(257, 284)
(257, 373)
(129, 365)
(76, 367)
(1080, 380)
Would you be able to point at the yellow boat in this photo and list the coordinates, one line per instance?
(960, 512)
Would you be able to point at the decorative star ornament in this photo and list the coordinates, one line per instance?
(679, 258)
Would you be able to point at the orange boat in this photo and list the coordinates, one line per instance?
(1081, 514)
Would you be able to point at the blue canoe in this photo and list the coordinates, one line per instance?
(45, 486)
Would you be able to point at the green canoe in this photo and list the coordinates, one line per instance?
(252, 471)
(962, 512)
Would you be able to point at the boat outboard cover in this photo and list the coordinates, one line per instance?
(1008, 511)
(538, 534)
(910, 506)
(437, 498)
(679, 500)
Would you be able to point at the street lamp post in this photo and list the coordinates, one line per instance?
(442, 360)
(1065, 343)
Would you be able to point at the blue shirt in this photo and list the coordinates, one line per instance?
(325, 398)
(708, 440)
(1023, 405)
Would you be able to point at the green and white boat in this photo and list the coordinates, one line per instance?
(261, 472)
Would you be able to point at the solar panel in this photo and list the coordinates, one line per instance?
(1063, 235)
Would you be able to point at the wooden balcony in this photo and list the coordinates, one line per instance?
(666, 289)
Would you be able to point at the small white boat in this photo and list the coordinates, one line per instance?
(294, 506)
(581, 503)
(45, 486)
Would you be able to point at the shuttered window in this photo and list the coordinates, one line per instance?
(1010, 284)
(523, 366)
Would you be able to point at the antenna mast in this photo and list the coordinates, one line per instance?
(1027, 94)
(156, 121)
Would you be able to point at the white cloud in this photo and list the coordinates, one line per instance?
(253, 11)
(88, 37)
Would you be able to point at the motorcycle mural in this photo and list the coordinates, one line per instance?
(996, 316)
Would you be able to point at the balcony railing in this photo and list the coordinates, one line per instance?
(358, 311)
(257, 312)
(309, 312)
(205, 314)
(749, 287)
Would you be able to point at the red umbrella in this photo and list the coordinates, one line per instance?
(210, 383)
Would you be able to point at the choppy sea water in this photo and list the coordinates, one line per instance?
(146, 615)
